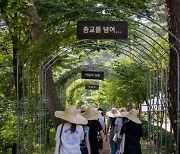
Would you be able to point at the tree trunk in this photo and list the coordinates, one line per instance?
(49, 92)
(173, 18)
(17, 70)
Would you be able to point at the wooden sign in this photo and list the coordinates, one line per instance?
(102, 30)
(92, 75)
(92, 87)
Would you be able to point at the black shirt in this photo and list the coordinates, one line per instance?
(94, 128)
(133, 132)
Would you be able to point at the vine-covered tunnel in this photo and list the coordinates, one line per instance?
(136, 75)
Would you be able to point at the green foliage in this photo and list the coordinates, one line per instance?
(166, 137)
(126, 84)
(76, 92)
(7, 125)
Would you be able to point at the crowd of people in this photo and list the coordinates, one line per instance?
(85, 130)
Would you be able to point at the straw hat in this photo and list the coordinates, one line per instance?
(132, 115)
(91, 113)
(71, 115)
(122, 112)
(98, 110)
(112, 113)
(123, 109)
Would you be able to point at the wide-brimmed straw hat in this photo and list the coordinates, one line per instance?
(123, 109)
(122, 112)
(98, 110)
(91, 114)
(132, 115)
(71, 115)
(112, 113)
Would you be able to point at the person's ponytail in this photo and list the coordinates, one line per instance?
(73, 128)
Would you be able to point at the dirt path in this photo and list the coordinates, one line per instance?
(105, 149)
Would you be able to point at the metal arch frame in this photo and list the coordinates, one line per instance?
(125, 10)
(161, 134)
(122, 52)
(81, 45)
(146, 48)
(55, 57)
(59, 54)
(54, 61)
(111, 8)
(143, 25)
(126, 18)
(129, 52)
(144, 52)
(141, 39)
(88, 44)
(143, 46)
(119, 8)
(48, 67)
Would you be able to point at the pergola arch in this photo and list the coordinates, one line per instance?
(151, 59)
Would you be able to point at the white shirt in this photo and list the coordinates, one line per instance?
(70, 141)
(119, 123)
(102, 122)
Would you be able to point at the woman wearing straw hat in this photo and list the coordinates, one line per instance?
(133, 131)
(102, 121)
(69, 135)
(119, 122)
(94, 127)
(110, 125)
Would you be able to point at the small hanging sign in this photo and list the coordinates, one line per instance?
(93, 87)
(102, 30)
(92, 75)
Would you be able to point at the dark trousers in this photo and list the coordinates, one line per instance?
(132, 149)
(100, 144)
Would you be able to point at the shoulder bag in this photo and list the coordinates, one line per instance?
(122, 144)
(60, 143)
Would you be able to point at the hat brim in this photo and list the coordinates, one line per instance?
(134, 119)
(91, 116)
(96, 109)
(110, 114)
(76, 119)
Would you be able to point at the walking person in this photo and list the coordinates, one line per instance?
(132, 129)
(110, 129)
(70, 134)
(85, 144)
(102, 121)
(94, 127)
(119, 123)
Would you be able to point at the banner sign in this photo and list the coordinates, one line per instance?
(92, 75)
(102, 30)
(93, 87)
